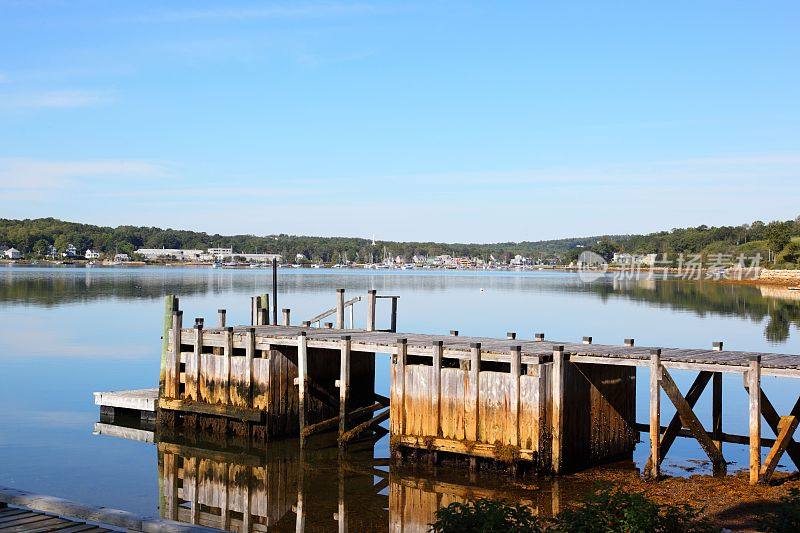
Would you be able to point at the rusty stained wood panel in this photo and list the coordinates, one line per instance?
(191, 387)
(283, 394)
(171, 380)
(213, 379)
(261, 383)
(496, 422)
(419, 415)
(239, 389)
(534, 432)
(455, 384)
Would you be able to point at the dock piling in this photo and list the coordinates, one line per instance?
(754, 389)
(516, 372)
(302, 380)
(393, 323)
(557, 389)
(286, 314)
(170, 307)
(655, 414)
(371, 301)
(174, 388)
(339, 308)
(473, 401)
(716, 403)
(438, 353)
(221, 318)
(344, 385)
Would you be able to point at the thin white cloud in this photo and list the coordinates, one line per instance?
(33, 174)
(269, 12)
(55, 100)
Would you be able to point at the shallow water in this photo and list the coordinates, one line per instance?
(68, 332)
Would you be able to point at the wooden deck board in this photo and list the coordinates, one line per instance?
(498, 349)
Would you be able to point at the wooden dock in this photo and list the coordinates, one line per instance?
(553, 405)
(25, 511)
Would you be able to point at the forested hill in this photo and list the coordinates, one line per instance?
(33, 237)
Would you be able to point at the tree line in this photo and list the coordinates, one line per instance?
(778, 240)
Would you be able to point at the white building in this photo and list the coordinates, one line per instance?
(12, 253)
(634, 259)
(151, 254)
(299, 257)
(221, 253)
(91, 254)
(121, 258)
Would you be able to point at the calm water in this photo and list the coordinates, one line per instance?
(69, 332)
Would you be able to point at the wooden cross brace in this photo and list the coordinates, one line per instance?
(685, 417)
(784, 428)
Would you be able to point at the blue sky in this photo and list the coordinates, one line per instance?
(414, 121)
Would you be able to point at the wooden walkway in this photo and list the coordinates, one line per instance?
(533, 350)
(17, 519)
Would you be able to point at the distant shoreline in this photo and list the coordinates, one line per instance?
(776, 278)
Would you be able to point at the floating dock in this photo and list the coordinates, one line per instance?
(550, 405)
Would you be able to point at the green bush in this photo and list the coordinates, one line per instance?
(785, 516)
(607, 510)
(486, 516)
(790, 255)
(611, 510)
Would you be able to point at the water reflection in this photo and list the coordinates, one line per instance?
(233, 484)
(780, 307)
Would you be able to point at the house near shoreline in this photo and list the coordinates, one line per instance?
(92, 254)
(12, 253)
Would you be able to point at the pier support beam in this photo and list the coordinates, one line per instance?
(516, 372)
(557, 447)
(174, 388)
(473, 401)
(302, 380)
(221, 318)
(716, 409)
(371, 301)
(436, 370)
(675, 425)
(287, 317)
(344, 385)
(170, 307)
(754, 388)
(655, 414)
(400, 375)
(393, 322)
(193, 376)
(339, 308)
(690, 420)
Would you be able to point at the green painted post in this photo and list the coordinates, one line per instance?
(170, 305)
